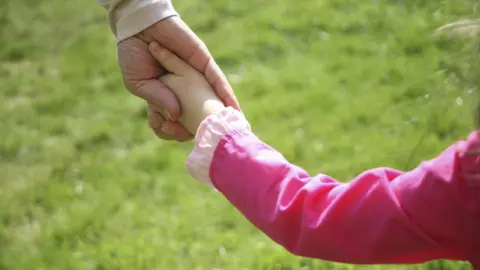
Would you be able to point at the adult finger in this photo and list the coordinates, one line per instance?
(140, 72)
(165, 129)
(155, 121)
(219, 82)
(157, 93)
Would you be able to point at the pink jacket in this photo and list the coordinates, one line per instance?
(382, 216)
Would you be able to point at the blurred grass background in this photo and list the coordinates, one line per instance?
(337, 86)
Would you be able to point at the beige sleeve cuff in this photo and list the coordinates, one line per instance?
(129, 17)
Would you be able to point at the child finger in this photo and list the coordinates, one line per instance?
(168, 59)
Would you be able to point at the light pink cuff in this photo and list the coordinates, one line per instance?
(209, 135)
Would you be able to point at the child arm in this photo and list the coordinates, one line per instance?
(381, 216)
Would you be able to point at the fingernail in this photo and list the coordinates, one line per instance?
(166, 129)
(167, 114)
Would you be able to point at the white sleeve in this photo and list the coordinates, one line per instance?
(129, 17)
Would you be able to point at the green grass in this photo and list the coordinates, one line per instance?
(84, 184)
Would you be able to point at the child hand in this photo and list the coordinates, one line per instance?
(196, 96)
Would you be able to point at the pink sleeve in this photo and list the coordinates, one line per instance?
(381, 216)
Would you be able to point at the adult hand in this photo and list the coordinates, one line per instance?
(141, 72)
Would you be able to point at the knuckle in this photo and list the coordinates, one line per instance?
(129, 84)
(133, 86)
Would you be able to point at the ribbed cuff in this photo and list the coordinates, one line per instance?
(209, 134)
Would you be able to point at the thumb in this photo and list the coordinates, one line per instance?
(169, 60)
(157, 93)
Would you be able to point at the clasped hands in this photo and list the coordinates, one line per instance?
(196, 96)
